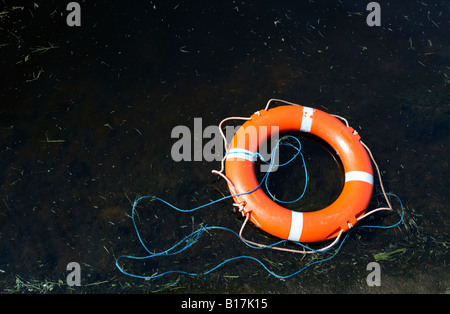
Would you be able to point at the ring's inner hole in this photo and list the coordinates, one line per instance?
(324, 168)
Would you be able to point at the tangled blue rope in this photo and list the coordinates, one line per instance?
(193, 237)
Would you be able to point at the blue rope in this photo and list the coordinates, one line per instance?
(193, 237)
(298, 149)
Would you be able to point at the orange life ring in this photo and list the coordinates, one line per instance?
(281, 222)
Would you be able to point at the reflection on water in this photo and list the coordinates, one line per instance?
(87, 129)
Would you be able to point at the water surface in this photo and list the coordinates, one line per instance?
(87, 114)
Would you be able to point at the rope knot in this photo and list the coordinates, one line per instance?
(241, 207)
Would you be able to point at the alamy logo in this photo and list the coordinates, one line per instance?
(74, 277)
(190, 146)
(74, 17)
(374, 277)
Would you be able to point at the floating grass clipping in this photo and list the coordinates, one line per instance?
(388, 256)
(34, 286)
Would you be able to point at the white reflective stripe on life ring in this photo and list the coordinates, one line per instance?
(242, 154)
(358, 176)
(307, 119)
(296, 226)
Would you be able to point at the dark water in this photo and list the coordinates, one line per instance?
(87, 113)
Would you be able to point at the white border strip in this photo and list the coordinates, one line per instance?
(242, 154)
(296, 226)
(307, 119)
(359, 176)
